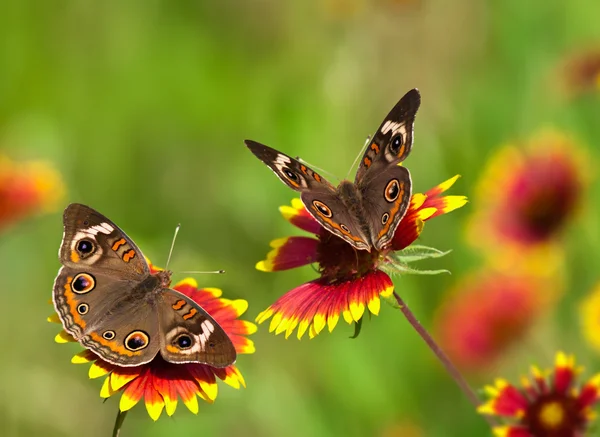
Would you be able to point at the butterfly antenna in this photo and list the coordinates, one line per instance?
(172, 246)
(359, 155)
(331, 175)
(200, 272)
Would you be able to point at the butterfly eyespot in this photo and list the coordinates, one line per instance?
(290, 175)
(108, 335)
(392, 190)
(83, 308)
(211, 345)
(322, 208)
(384, 218)
(136, 341)
(85, 247)
(344, 227)
(396, 143)
(184, 341)
(83, 283)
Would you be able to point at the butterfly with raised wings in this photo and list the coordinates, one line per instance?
(366, 212)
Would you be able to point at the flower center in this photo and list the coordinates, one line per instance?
(553, 415)
(340, 261)
(545, 197)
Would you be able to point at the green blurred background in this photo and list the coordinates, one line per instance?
(144, 106)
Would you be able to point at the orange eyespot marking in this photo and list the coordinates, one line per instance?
(303, 168)
(118, 244)
(75, 257)
(191, 314)
(178, 305)
(136, 341)
(375, 148)
(83, 283)
(127, 256)
(367, 162)
(392, 190)
(317, 177)
(322, 209)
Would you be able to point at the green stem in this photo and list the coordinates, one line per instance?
(439, 353)
(119, 423)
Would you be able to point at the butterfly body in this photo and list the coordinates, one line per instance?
(365, 212)
(108, 300)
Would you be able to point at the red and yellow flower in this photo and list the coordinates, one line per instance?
(351, 281)
(160, 383)
(27, 188)
(527, 194)
(485, 315)
(549, 404)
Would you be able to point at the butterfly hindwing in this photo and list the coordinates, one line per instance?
(386, 197)
(190, 335)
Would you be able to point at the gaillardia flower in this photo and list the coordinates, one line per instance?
(549, 404)
(27, 188)
(590, 318)
(160, 383)
(527, 194)
(350, 280)
(486, 314)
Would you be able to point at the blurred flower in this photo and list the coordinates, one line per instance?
(526, 196)
(590, 318)
(582, 72)
(161, 383)
(549, 404)
(350, 280)
(27, 188)
(487, 314)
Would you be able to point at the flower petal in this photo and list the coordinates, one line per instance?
(289, 253)
(564, 372)
(317, 304)
(505, 400)
(424, 207)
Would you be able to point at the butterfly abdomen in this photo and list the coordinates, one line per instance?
(353, 200)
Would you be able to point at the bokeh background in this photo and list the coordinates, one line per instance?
(142, 109)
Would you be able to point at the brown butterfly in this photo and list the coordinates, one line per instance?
(367, 212)
(110, 302)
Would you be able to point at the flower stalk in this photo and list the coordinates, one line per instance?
(119, 423)
(439, 353)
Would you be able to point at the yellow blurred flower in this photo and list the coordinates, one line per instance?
(590, 318)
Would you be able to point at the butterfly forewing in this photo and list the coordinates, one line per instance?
(393, 139)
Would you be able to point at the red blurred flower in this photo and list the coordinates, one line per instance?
(550, 404)
(581, 72)
(350, 280)
(485, 316)
(160, 383)
(527, 195)
(27, 188)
